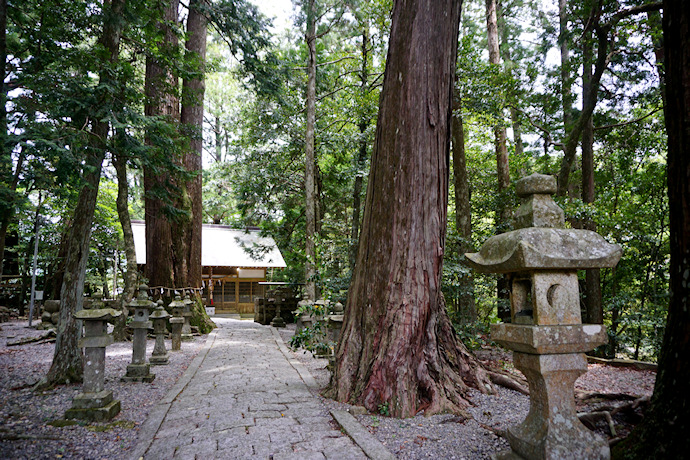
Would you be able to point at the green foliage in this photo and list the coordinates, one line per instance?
(312, 338)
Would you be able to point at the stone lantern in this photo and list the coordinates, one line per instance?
(139, 369)
(546, 334)
(159, 318)
(176, 322)
(187, 315)
(94, 403)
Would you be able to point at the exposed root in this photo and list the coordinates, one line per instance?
(590, 419)
(508, 381)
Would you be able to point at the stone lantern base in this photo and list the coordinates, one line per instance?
(138, 373)
(552, 430)
(94, 407)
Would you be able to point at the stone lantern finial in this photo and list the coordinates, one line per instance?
(537, 208)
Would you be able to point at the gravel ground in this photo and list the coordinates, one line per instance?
(452, 437)
(24, 414)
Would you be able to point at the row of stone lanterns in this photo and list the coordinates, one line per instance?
(95, 403)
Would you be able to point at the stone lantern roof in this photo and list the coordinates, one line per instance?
(540, 241)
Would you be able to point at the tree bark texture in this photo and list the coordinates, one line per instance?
(192, 118)
(67, 358)
(160, 100)
(664, 430)
(467, 310)
(309, 156)
(397, 346)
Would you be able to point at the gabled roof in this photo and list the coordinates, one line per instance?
(222, 246)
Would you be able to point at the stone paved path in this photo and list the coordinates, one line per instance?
(242, 398)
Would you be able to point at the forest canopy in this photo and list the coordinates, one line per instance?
(568, 88)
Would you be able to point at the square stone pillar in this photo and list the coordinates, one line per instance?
(94, 403)
(139, 370)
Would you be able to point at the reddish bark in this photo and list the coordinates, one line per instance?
(192, 117)
(397, 346)
(161, 100)
(664, 430)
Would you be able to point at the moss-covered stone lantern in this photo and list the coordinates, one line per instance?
(546, 334)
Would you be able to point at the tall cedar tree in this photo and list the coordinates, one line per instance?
(67, 359)
(663, 433)
(161, 100)
(397, 346)
(192, 118)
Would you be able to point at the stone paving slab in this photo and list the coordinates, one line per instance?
(241, 398)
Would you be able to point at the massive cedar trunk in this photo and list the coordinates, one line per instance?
(309, 161)
(467, 310)
(67, 359)
(663, 433)
(192, 118)
(397, 346)
(161, 100)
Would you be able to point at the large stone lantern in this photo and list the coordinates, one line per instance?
(546, 334)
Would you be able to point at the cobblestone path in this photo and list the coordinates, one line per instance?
(242, 398)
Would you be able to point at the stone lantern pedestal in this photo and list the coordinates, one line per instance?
(139, 370)
(159, 318)
(187, 315)
(176, 323)
(95, 403)
(546, 334)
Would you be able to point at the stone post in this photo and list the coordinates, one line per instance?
(139, 369)
(176, 323)
(94, 403)
(187, 314)
(278, 320)
(546, 333)
(159, 318)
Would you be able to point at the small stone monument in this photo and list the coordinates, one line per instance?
(546, 333)
(176, 323)
(187, 315)
(278, 320)
(159, 318)
(334, 322)
(139, 370)
(95, 403)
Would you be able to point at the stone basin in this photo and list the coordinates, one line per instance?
(544, 248)
(557, 339)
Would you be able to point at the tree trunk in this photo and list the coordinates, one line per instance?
(503, 211)
(566, 79)
(362, 152)
(131, 275)
(467, 310)
(664, 429)
(192, 118)
(592, 288)
(5, 154)
(309, 159)
(67, 359)
(161, 100)
(397, 345)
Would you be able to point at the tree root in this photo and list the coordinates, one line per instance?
(507, 381)
(590, 419)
